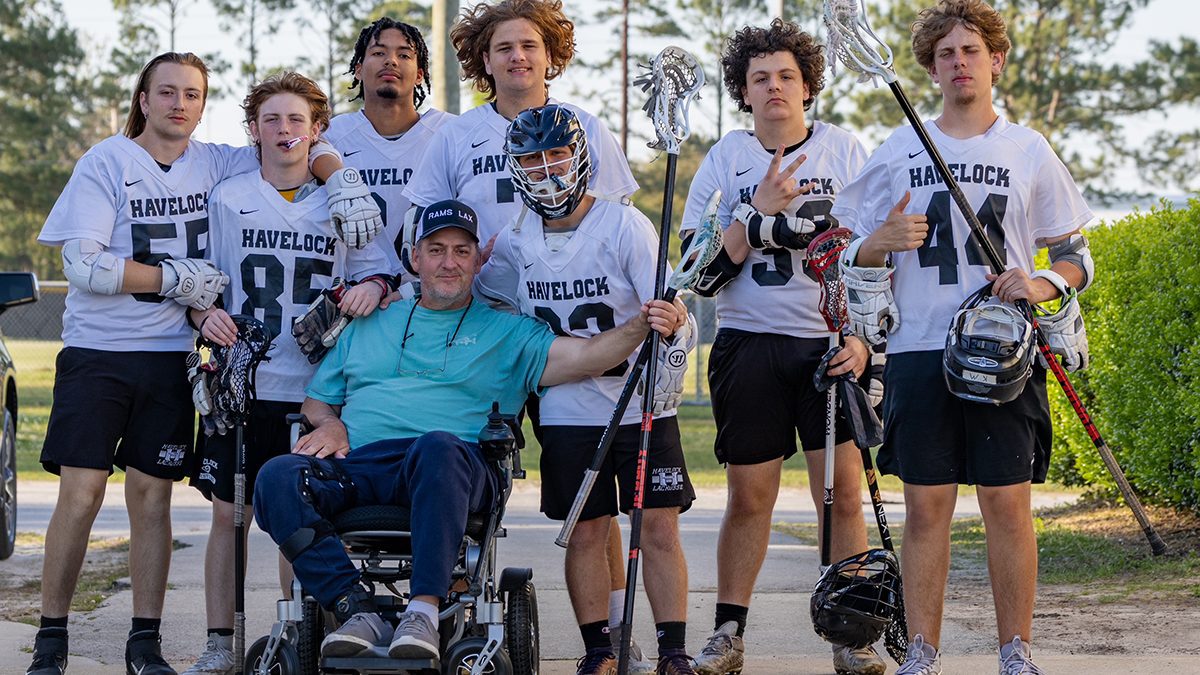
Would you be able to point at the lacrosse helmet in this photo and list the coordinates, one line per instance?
(552, 189)
(856, 599)
(989, 351)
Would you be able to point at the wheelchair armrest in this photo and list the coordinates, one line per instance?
(298, 425)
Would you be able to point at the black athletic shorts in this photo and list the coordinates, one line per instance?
(568, 450)
(763, 396)
(122, 409)
(266, 435)
(932, 437)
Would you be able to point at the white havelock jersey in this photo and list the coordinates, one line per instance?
(597, 281)
(386, 165)
(773, 293)
(119, 196)
(279, 255)
(1020, 190)
(466, 161)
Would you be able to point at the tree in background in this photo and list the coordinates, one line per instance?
(167, 13)
(252, 20)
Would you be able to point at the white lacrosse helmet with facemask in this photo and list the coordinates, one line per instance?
(551, 187)
(989, 351)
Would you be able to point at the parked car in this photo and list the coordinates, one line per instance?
(16, 288)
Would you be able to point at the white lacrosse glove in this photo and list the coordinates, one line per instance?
(352, 210)
(192, 282)
(197, 374)
(1064, 329)
(672, 367)
(874, 377)
(869, 302)
(777, 231)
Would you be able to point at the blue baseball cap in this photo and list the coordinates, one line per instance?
(449, 213)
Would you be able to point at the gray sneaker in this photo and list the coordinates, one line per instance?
(863, 661)
(416, 638)
(922, 659)
(1018, 660)
(217, 659)
(361, 632)
(638, 665)
(724, 652)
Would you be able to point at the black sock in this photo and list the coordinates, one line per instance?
(52, 627)
(672, 636)
(139, 625)
(595, 635)
(220, 632)
(728, 612)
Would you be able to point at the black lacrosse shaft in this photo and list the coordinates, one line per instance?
(239, 551)
(980, 236)
(639, 483)
(606, 438)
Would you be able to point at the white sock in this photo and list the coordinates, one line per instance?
(616, 607)
(428, 609)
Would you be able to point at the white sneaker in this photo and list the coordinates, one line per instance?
(217, 658)
(922, 659)
(638, 665)
(1017, 659)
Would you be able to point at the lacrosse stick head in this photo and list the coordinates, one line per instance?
(854, 44)
(822, 265)
(233, 371)
(674, 79)
(856, 599)
(989, 350)
(704, 246)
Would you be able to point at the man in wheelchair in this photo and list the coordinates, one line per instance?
(396, 407)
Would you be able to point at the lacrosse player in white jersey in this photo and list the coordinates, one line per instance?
(777, 182)
(386, 140)
(271, 230)
(133, 226)
(584, 266)
(912, 232)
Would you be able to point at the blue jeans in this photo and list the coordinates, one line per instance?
(438, 476)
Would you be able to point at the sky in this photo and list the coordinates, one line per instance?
(97, 21)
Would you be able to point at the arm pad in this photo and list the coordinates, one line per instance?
(715, 275)
(1074, 249)
(89, 267)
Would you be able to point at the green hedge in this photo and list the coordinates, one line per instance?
(1143, 385)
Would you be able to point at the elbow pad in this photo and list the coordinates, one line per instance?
(715, 275)
(89, 267)
(1075, 250)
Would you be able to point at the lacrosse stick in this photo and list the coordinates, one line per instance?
(823, 253)
(855, 45)
(233, 369)
(673, 80)
(705, 246)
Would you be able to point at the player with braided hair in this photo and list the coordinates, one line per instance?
(778, 181)
(386, 140)
(901, 208)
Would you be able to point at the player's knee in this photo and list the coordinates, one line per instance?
(591, 535)
(438, 454)
(746, 502)
(660, 529)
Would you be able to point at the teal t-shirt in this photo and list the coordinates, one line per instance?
(433, 383)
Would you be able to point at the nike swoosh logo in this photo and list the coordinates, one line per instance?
(244, 212)
(914, 154)
(347, 154)
(742, 171)
(529, 265)
(476, 145)
(128, 184)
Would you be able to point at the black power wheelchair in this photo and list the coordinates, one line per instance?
(488, 626)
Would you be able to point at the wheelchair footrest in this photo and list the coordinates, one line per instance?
(376, 660)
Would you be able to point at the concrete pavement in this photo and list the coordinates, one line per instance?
(780, 639)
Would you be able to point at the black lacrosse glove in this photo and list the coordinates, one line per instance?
(318, 329)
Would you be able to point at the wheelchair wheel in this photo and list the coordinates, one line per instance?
(462, 656)
(311, 631)
(521, 629)
(286, 661)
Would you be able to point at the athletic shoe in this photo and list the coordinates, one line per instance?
(675, 662)
(922, 659)
(1019, 660)
(49, 655)
(416, 638)
(597, 662)
(638, 665)
(217, 659)
(850, 661)
(724, 652)
(360, 632)
(143, 655)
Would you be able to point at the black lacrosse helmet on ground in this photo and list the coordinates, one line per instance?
(551, 189)
(989, 350)
(856, 599)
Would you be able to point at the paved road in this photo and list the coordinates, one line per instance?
(780, 639)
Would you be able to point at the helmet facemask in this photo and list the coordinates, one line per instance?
(551, 187)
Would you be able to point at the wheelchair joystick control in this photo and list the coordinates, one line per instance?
(496, 439)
